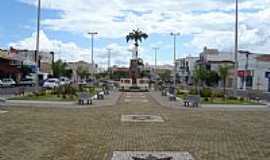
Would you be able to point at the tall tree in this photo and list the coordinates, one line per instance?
(212, 78)
(224, 71)
(59, 69)
(137, 36)
(199, 76)
(165, 75)
(82, 72)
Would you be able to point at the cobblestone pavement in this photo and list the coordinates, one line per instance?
(96, 133)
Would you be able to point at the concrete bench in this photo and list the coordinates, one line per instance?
(172, 97)
(193, 101)
(100, 95)
(164, 92)
(254, 97)
(2, 100)
(85, 97)
(106, 91)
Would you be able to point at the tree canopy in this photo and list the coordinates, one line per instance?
(137, 36)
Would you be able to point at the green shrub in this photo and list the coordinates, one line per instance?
(218, 94)
(193, 92)
(206, 99)
(242, 99)
(232, 98)
(206, 92)
(179, 92)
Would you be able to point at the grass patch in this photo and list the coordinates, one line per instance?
(43, 98)
(217, 100)
(229, 101)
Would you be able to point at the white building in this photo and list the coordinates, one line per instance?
(27, 57)
(254, 72)
(185, 68)
(74, 66)
(212, 59)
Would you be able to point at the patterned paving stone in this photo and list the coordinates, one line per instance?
(1, 112)
(136, 100)
(141, 118)
(129, 155)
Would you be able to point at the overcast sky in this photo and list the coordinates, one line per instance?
(65, 24)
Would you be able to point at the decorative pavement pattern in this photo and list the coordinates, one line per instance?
(129, 155)
(135, 97)
(1, 112)
(141, 118)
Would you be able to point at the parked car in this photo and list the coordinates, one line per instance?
(91, 81)
(51, 83)
(82, 82)
(1, 83)
(27, 82)
(8, 82)
(64, 81)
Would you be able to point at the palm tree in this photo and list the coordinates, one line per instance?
(224, 71)
(199, 77)
(137, 36)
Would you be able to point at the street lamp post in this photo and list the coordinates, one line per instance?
(52, 54)
(174, 61)
(156, 50)
(37, 43)
(92, 51)
(109, 59)
(236, 50)
(247, 53)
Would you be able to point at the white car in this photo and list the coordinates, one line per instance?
(82, 82)
(51, 83)
(64, 81)
(8, 82)
(1, 83)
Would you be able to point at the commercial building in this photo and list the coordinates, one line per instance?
(254, 72)
(9, 68)
(76, 66)
(29, 58)
(212, 59)
(185, 68)
(253, 68)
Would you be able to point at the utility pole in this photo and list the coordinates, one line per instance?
(109, 59)
(247, 73)
(236, 50)
(92, 51)
(52, 54)
(174, 61)
(37, 43)
(156, 50)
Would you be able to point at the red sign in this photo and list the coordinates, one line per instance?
(244, 73)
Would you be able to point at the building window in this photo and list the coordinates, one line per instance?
(249, 81)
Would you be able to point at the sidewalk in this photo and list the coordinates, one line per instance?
(110, 100)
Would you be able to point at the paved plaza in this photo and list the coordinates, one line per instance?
(1, 112)
(98, 133)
